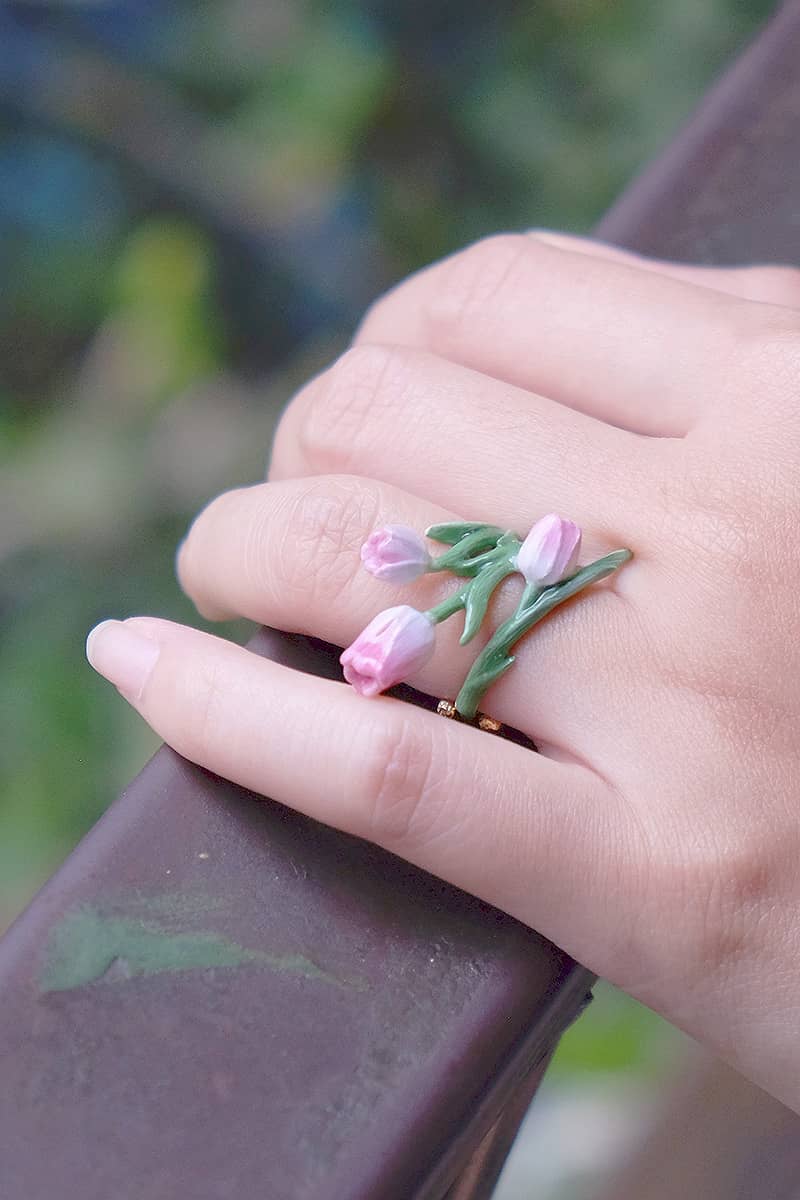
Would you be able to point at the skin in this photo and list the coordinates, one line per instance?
(656, 837)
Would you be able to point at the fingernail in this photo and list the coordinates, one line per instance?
(125, 658)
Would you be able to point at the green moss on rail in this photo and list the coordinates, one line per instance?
(87, 945)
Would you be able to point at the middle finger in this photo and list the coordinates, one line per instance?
(466, 441)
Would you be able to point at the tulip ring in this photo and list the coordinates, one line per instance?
(400, 640)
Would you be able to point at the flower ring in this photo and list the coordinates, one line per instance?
(400, 640)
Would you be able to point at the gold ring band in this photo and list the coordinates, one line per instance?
(447, 708)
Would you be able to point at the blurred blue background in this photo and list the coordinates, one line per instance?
(197, 201)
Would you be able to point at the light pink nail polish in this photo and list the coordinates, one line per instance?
(125, 658)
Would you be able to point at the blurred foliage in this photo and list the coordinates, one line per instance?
(197, 201)
(616, 1034)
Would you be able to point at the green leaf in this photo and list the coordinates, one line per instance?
(478, 595)
(453, 531)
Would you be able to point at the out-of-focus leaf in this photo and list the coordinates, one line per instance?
(163, 308)
(614, 1034)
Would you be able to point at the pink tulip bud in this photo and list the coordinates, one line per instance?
(550, 551)
(396, 554)
(393, 646)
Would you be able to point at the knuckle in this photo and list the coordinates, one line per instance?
(725, 890)
(403, 796)
(338, 406)
(320, 537)
(713, 891)
(470, 282)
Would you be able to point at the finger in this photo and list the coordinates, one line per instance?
(448, 798)
(288, 554)
(636, 348)
(764, 283)
(461, 439)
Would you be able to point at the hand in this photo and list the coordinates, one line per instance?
(656, 837)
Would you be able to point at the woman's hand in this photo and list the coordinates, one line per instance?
(656, 837)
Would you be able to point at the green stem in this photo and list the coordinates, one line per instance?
(448, 607)
(496, 658)
(530, 592)
(490, 570)
(473, 552)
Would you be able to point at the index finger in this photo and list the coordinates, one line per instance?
(456, 801)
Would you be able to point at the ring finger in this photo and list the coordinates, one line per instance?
(287, 554)
(489, 447)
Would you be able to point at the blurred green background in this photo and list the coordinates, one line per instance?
(197, 201)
